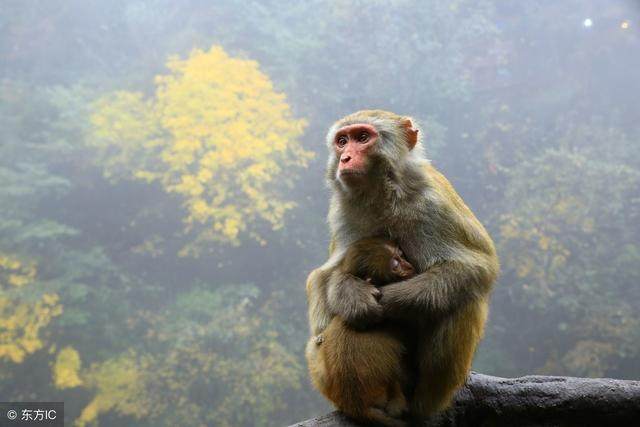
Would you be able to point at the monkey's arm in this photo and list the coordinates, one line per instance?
(443, 288)
(353, 299)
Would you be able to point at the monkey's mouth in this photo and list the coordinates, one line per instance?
(350, 173)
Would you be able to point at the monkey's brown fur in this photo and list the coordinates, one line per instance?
(362, 372)
(399, 195)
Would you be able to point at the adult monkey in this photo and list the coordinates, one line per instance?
(383, 186)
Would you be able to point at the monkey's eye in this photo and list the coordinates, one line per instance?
(363, 137)
(341, 141)
(394, 263)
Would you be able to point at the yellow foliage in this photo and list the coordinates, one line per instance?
(124, 127)
(543, 242)
(524, 268)
(588, 357)
(216, 133)
(21, 322)
(546, 254)
(151, 246)
(65, 369)
(14, 272)
(118, 387)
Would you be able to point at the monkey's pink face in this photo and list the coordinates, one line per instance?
(353, 144)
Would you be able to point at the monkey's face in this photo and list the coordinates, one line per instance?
(366, 144)
(353, 145)
(383, 263)
(399, 267)
(377, 260)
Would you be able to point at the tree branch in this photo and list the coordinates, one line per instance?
(529, 401)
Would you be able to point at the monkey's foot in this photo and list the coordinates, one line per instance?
(397, 406)
(381, 416)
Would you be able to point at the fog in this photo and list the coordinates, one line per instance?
(163, 194)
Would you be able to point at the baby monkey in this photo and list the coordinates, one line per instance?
(362, 371)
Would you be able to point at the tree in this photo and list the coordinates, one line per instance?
(211, 358)
(569, 245)
(216, 134)
(22, 318)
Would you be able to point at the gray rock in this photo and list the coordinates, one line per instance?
(529, 401)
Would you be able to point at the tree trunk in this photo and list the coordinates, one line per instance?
(530, 401)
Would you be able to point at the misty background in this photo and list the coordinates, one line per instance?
(162, 193)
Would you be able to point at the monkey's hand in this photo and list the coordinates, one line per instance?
(393, 299)
(439, 291)
(354, 300)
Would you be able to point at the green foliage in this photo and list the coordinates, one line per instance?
(563, 246)
(212, 362)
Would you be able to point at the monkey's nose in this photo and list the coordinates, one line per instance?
(345, 159)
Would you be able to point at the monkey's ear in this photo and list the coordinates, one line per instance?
(412, 134)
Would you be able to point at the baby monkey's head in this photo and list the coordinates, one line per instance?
(377, 260)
